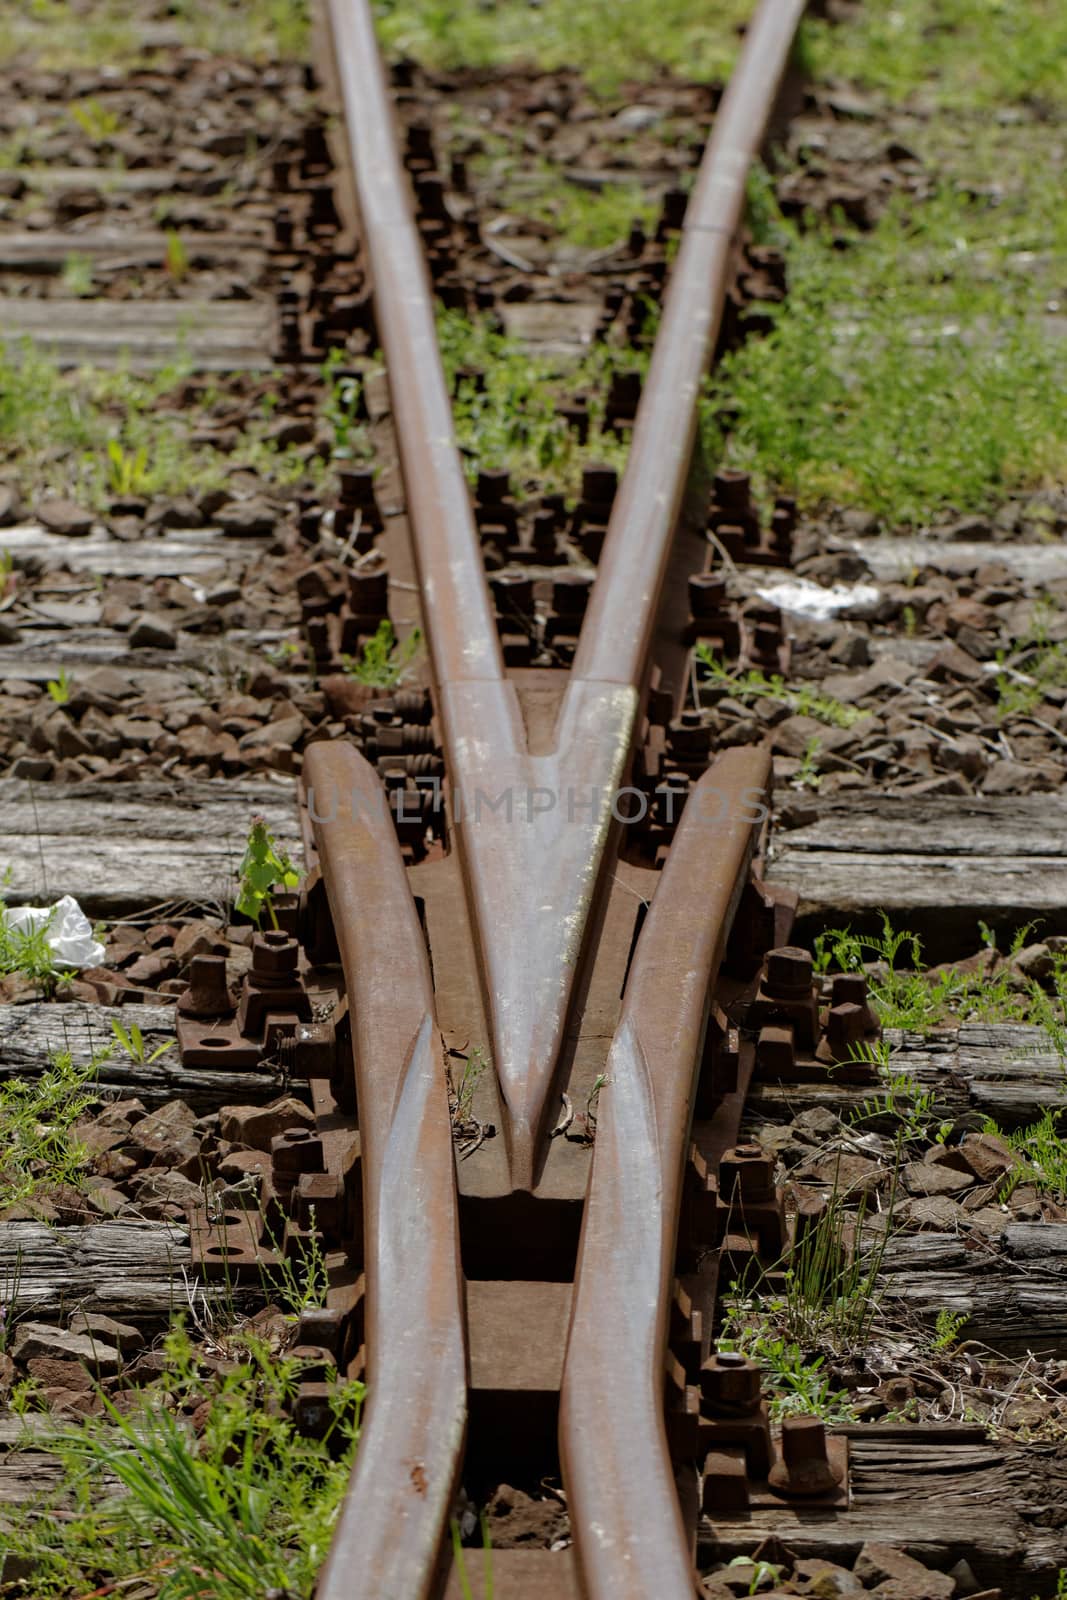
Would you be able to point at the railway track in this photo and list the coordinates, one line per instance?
(534, 965)
(469, 1285)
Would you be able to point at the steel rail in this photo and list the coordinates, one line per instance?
(616, 635)
(625, 1515)
(395, 1512)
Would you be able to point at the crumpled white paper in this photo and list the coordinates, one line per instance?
(800, 597)
(70, 933)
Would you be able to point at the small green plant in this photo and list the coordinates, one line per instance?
(263, 867)
(300, 1284)
(77, 276)
(808, 775)
(1031, 668)
(383, 661)
(342, 407)
(242, 1507)
(462, 1095)
(127, 469)
(460, 1561)
(132, 1041)
(902, 1101)
(28, 951)
(10, 1282)
(98, 123)
(1043, 1151)
(177, 257)
(947, 1328)
(906, 996)
(59, 688)
(762, 1572)
(38, 1149)
(755, 685)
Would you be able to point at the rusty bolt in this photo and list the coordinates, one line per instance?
(747, 1172)
(274, 955)
(804, 1467)
(312, 1412)
(599, 484)
(845, 1027)
(731, 489)
(207, 994)
(707, 594)
(293, 1153)
(788, 974)
(730, 1383)
(850, 988)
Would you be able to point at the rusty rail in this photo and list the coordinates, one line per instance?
(388, 1539)
(613, 1440)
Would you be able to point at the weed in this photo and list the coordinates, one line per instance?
(177, 257)
(947, 1328)
(1044, 1152)
(299, 1284)
(902, 374)
(98, 123)
(37, 1147)
(797, 1385)
(243, 1507)
(127, 469)
(589, 217)
(762, 1572)
(510, 416)
(77, 276)
(88, 413)
(263, 867)
(960, 53)
(1033, 666)
(132, 1041)
(755, 685)
(383, 661)
(908, 997)
(10, 1283)
(462, 1097)
(808, 776)
(342, 409)
(59, 688)
(460, 1561)
(613, 44)
(28, 951)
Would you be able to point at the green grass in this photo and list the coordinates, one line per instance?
(910, 373)
(60, 36)
(514, 422)
(752, 685)
(906, 375)
(1044, 1151)
(957, 53)
(610, 41)
(37, 1148)
(241, 1508)
(95, 434)
(906, 996)
(384, 660)
(1032, 667)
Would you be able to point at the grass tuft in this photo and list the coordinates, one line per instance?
(219, 1498)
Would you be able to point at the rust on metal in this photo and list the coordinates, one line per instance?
(626, 1518)
(396, 1509)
